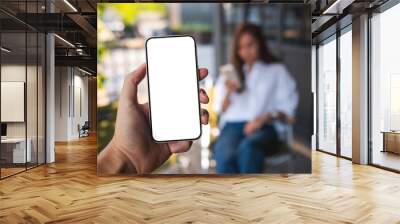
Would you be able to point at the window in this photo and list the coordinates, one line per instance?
(385, 89)
(327, 96)
(22, 101)
(345, 93)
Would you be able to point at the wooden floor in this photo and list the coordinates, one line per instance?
(8, 171)
(70, 192)
(11, 170)
(387, 159)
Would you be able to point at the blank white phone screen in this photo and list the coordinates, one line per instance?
(173, 88)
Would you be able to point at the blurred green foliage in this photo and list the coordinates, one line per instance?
(129, 11)
(193, 27)
(106, 124)
(101, 49)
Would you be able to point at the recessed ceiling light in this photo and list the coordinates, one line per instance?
(5, 50)
(84, 71)
(64, 40)
(70, 5)
(338, 6)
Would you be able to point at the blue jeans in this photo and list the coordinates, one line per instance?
(235, 152)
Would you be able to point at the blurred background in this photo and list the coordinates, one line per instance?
(123, 28)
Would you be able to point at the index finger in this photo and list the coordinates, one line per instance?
(203, 72)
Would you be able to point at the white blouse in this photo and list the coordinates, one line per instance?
(268, 88)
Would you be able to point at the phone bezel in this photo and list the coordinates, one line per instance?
(197, 84)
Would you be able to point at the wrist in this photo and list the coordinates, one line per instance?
(113, 160)
(261, 119)
(126, 156)
(265, 118)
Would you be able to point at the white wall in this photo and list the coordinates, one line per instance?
(70, 83)
(62, 81)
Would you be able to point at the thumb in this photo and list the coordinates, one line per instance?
(131, 82)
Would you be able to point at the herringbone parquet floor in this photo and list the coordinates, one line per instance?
(70, 192)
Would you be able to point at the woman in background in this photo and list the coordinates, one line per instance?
(252, 107)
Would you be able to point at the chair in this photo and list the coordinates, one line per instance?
(282, 158)
(84, 130)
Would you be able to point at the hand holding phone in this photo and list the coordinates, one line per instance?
(173, 88)
(228, 71)
(132, 149)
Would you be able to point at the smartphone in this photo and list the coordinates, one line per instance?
(173, 88)
(229, 72)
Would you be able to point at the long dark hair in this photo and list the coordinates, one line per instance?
(263, 51)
